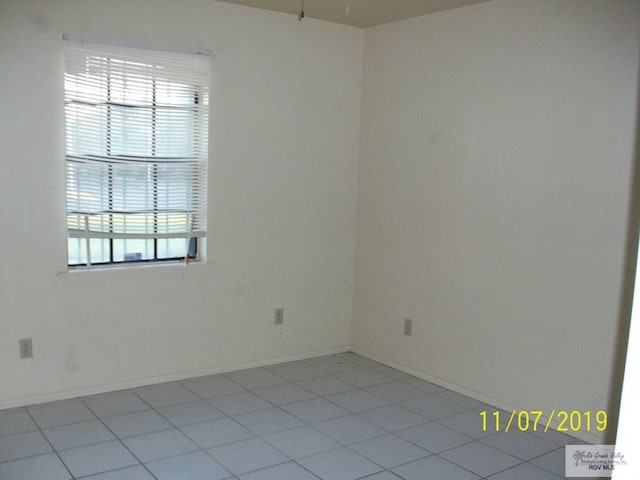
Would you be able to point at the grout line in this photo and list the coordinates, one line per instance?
(324, 367)
(50, 445)
(120, 440)
(115, 470)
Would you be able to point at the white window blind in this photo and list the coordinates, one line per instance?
(136, 128)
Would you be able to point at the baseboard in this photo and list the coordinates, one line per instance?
(481, 397)
(172, 377)
(142, 382)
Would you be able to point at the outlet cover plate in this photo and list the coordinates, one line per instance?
(408, 326)
(26, 348)
(279, 316)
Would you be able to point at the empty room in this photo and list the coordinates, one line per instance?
(318, 239)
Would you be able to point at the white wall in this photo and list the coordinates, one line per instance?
(283, 173)
(495, 157)
(629, 422)
(495, 161)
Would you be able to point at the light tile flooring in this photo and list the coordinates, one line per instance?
(338, 417)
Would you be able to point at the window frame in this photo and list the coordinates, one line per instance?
(193, 244)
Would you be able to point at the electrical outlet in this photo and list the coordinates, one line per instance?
(26, 348)
(408, 326)
(279, 316)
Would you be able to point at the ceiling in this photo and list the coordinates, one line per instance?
(357, 13)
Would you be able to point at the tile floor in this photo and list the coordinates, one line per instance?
(338, 417)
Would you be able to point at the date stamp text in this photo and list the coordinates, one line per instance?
(537, 421)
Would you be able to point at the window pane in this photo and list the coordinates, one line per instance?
(132, 250)
(87, 84)
(131, 131)
(132, 187)
(77, 251)
(86, 127)
(172, 247)
(170, 93)
(129, 83)
(174, 189)
(99, 250)
(174, 131)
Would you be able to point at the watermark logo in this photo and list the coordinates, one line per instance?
(592, 460)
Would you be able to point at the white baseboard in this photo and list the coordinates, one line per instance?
(142, 382)
(481, 397)
(171, 377)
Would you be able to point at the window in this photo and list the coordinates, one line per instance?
(136, 128)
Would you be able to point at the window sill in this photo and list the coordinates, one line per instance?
(117, 272)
